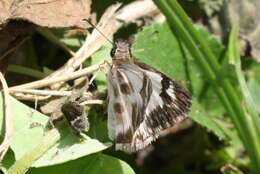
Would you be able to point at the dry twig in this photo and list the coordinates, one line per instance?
(40, 95)
(66, 77)
(46, 92)
(8, 119)
(92, 102)
(29, 97)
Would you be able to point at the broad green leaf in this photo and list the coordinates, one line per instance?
(25, 135)
(92, 164)
(157, 46)
(70, 148)
(210, 101)
(29, 130)
(217, 126)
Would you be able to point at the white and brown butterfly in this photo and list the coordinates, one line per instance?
(142, 101)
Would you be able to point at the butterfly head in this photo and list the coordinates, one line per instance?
(121, 50)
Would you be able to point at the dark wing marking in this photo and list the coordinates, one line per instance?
(168, 105)
(126, 104)
(151, 103)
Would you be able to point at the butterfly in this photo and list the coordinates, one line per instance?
(142, 101)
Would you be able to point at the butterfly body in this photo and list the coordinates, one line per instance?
(142, 101)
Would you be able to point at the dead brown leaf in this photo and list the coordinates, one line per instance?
(47, 13)
(14, 15)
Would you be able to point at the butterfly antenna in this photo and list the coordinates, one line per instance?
(90, 23)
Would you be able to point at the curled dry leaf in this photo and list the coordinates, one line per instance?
(47, 13)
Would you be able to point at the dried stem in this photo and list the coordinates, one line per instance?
(91, 102)
(46, 92)
(66, 77)
(29, 97)
(8, 119)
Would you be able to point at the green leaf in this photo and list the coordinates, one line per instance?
(92, 164)
(29, 132)
(25, 137)
(217, 126)
(161, 50)
(70, 148)
(215, 107)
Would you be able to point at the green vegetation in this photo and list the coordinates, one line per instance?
(224, 136)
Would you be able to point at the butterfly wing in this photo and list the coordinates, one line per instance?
(142, 102)
(125, 103)
(168, 105)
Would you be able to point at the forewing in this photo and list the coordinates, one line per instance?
(129, 91)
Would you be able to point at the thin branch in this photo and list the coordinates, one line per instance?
(46, 92)
(29, 97)
(66, 77)
(92, 102)
(8, 119)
